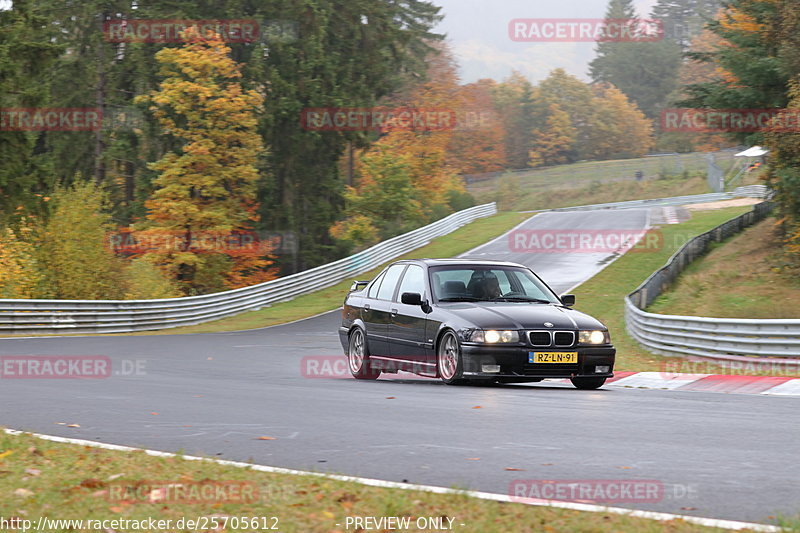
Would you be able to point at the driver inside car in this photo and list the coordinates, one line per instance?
(486, 287)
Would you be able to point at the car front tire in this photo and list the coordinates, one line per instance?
(358, 356)
(448, 359)
(588, 383)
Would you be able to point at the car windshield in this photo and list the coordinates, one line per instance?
(483, 283)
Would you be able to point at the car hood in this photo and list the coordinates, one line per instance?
(508, 315)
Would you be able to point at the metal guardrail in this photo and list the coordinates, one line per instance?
(774, 341)
(752, 191)
(122, 316)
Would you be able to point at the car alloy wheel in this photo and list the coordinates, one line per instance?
(358, 357)
(448, 359)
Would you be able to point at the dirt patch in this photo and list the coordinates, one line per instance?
(708, 206)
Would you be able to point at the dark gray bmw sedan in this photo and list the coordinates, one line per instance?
(471, 321)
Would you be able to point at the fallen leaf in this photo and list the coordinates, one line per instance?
(33, 471)
(266, 438)
(547, 464)
(73, 425)
(473, 458)
(99, 493)
(689, 508)
(60, 423)
(154, 413)
(512, 469)
(477, 407)
(391, 398)
(23, 493)
(625, 467)
(6, 453)
(34, 450)
(115, 476)
(91, 483)
(116, 510)
(209, 358)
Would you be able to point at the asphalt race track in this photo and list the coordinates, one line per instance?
(717, 455)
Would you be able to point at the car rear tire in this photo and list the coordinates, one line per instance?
(588, 383)
(448, 359)
(358, 356)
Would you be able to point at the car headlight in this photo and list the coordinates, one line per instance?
(494, 336)
(594, 337)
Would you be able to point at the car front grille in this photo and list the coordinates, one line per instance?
(558, 339)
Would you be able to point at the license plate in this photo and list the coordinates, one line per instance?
(552, 357)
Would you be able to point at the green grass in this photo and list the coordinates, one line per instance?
(66, 481)
(602, 296)
(601, 181)
(751, 267)
(585, 172)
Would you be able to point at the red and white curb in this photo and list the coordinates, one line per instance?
(734, 525)
(729, 384)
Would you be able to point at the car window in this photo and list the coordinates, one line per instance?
(486, 283)
(390, 282)
(413, 281)
(502, 278)
(530, 287)
(373, 290)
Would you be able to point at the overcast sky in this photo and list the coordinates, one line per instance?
(477, 31)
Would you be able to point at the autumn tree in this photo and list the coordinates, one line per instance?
(618, 128)
(71, 248)
(385, 201)
(552, 145)
(208, 185)
(513, 100)
(477, 144)
(412, 165)
(20, 272)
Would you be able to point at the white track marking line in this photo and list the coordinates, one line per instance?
(470, 252)
(663, 517)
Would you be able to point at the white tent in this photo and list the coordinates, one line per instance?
(754, 151)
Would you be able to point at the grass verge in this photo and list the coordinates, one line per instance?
(602, 296)
(39, 478)
(748, 266)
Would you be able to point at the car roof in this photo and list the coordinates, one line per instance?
(457, 261)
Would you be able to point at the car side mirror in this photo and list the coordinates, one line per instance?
(411, 298)
(568, 299)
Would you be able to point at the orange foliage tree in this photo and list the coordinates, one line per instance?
(206, 188)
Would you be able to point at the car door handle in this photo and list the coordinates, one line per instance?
(394, 312)
(366, 307)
